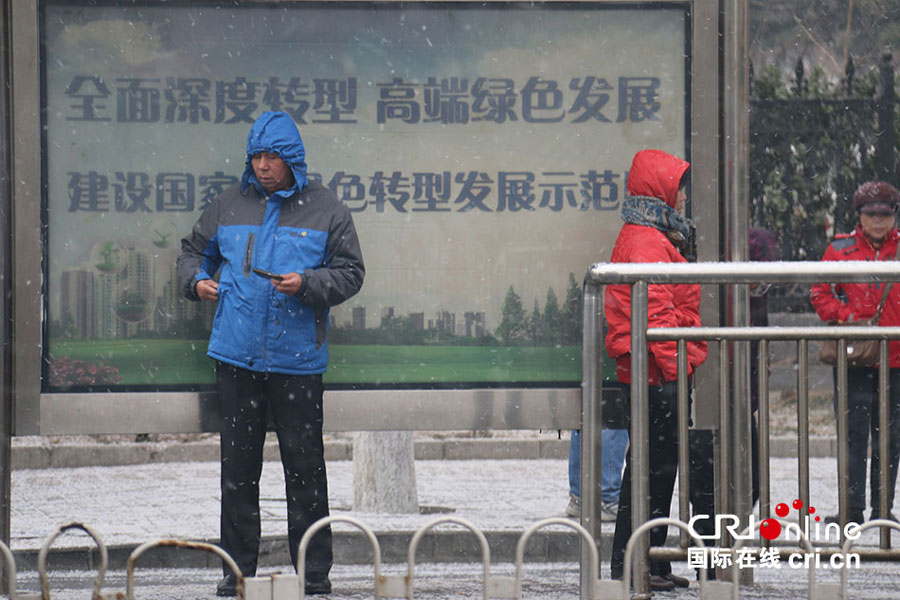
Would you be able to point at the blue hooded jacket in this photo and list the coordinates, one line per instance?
(304, 229)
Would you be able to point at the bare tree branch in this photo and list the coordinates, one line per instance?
(815, 41)
(847, 32)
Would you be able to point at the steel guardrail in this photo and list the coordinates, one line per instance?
(734, 412)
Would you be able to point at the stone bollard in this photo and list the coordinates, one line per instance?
(384, 473)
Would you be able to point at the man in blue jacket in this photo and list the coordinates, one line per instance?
(286, 250)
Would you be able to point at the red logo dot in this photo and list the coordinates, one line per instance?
(812, 509)
(770, 529)
(798, 504)
(782, 510)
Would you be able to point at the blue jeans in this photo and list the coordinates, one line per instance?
(613, 445)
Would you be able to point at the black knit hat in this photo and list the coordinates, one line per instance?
(875, 197)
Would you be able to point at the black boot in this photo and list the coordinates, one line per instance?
(317, 586)
(227, 586)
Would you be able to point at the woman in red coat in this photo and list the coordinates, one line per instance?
(654, 232)
(875, 238)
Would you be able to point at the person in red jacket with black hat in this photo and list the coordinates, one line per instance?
(654, 232)
(875, 238)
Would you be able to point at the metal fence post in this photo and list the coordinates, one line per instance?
(803, 425)
(591, 423)
(640, 433)
(723, 504)
(736, 179)
(884, 442)
(684, 455)
(843, 426)
(6, 279)
(763, 387)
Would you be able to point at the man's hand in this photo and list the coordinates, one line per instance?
(289, 284)
(207, 289)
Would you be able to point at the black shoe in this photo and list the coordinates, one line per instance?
(854, 516)
(658, 583)
(317, 586)
(227, 586)
(875, 515)
(679, 581)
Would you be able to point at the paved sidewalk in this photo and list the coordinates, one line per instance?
(132, 504)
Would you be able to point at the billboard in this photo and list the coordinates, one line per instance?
(482, 149)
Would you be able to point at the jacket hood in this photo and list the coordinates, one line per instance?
(656, 173)
(276, 132)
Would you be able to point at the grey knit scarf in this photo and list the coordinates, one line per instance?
(653, 212)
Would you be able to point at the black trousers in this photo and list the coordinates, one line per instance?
(862, 396)
(702, 475)
(295, 403)
(663, 409)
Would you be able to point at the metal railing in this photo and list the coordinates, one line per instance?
(289, 586)
(283, 586)
(735, 413)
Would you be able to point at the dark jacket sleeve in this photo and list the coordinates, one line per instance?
(344, 271)
(200, 257)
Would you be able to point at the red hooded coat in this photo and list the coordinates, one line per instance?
(657, 174)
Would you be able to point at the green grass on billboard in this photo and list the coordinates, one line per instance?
(143, 361)
(448, 364)
(163, 362)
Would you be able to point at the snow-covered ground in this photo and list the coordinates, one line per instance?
(136, 503)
